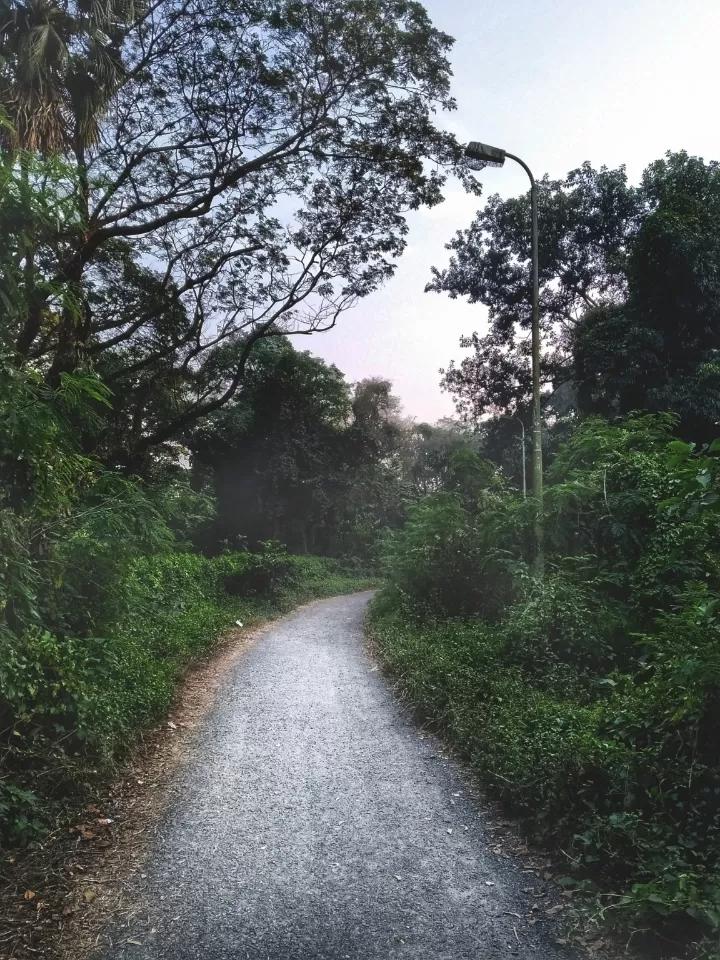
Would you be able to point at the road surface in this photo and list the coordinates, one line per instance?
(316, 823)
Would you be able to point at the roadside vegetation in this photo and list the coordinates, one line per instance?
(186, 185)
(168, 462)
(74, 701)
(587, 698)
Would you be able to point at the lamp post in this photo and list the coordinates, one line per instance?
(482, 153)
(511, 416)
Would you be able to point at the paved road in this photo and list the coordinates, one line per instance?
(316, 823)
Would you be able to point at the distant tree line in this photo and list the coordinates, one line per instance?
(303, 457)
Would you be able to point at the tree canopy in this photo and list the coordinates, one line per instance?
(305, 458)
(248, 177)
(629, 302)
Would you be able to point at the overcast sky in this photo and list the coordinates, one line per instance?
(557, 82)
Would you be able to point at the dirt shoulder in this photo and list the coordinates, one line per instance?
(56, 899)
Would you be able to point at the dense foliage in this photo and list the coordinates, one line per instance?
(590, 699)
(206, 202)
(301, 456)
(71, 704)
(185, 184)
(102, 601)
(587, 698)
(304, 457)
(182, 186)
(628, 303)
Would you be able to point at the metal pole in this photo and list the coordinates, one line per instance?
(537, 423)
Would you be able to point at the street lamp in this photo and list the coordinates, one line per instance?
(487, 156)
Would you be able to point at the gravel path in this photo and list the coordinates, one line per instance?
(315, 823)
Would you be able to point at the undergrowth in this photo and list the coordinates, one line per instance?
(71, 705)
(587, 700)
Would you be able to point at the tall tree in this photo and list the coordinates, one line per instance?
(253, 167)
(660, 349)
(587, 222)
(630, 301)
(274, 454)
(376, 412)
(301, 457)
(428, 453)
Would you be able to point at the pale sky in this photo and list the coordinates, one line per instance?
(557, 82)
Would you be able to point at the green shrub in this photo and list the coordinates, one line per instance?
(266, 572)
(628, 785)
(588, 700)
(561, 621)
(452, 559)
(19, 815)
(71, 702)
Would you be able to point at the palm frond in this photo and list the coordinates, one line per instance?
(44, 50)
(38, 119)
(61, 65)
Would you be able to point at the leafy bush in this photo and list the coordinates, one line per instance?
(455, 560)
(266, 572)
(627, 784)
(71, 702)
(562, 621)
(589, 701)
